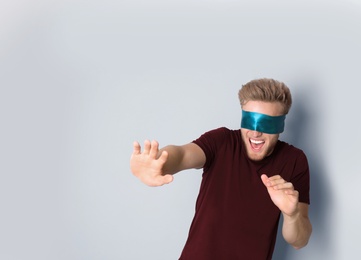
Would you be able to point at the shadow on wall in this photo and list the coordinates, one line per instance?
(303, 131)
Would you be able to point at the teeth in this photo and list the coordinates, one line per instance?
(256, 141)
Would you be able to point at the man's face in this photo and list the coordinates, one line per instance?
(259, 145)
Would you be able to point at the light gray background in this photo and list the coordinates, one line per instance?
(80, 80)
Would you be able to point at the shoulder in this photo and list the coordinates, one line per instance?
(218, 141)
(218, 135)
(291, 158)
(215, 139)
(288, 150)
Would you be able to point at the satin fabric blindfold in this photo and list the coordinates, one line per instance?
(263, 123)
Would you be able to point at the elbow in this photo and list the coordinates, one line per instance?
(304, 242)
(299, 244)
(298, 247)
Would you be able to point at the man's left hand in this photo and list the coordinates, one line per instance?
(282, 193)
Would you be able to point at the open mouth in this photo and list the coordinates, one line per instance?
(256, 144)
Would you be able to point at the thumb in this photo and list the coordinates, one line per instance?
(161, 180)
(168, 178)
(264, 179)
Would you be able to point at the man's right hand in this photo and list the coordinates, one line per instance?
(147, 167)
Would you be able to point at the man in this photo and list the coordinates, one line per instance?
(249, 178)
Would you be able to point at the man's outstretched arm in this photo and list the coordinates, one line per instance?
(155, 167)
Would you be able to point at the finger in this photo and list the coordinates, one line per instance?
(275, 177)
(265, 180)
(136, 148)
(294, 193)
(163, 157)
(154, 149)
(276, 180)
(283, 186)
(146, 147)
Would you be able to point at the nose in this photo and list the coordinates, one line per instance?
(256, 134)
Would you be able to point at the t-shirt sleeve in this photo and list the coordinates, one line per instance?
(210, 142)
(301, 178)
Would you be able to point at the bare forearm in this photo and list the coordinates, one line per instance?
(188, 156)
(175, 158)
(296, 230)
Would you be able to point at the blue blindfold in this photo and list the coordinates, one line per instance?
(263, 123)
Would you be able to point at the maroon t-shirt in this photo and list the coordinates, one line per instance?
(235, 217)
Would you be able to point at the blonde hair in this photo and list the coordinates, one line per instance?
(267, 90)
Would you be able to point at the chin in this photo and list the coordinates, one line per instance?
(256, 157)
(259, 155)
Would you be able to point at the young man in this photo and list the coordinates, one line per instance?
(249, 178)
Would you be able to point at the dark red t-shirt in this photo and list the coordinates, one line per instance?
(235, 217)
